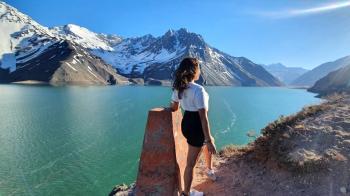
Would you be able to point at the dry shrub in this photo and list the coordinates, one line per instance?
(233, 150)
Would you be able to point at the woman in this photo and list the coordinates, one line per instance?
(195, 124)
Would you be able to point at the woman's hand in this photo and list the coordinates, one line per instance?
(211, 145)
(174, 106)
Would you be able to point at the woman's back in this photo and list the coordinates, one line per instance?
(193, 98)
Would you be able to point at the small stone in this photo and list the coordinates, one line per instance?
(346, 142)
(286, 135)
(343, 190)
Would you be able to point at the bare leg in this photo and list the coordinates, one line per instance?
(192, 157)
(207, 156)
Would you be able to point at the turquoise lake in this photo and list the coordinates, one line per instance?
(84, 140)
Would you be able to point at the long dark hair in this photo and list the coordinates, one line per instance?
(185, 74)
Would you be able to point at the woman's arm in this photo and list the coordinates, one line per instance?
(203, 113)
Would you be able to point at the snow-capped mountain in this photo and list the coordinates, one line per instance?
(86, 38)
(30, 51)
(146, 59)
(156, 58)
(21, 38)
(67, 63)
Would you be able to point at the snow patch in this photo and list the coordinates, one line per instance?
(71, 66)
(84, 37)
(92, 73)
(8, 61)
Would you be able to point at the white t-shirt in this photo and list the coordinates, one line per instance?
(193, 98)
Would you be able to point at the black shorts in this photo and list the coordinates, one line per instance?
(191, 128)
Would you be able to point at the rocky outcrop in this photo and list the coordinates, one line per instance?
(123, 190)
(303, 154)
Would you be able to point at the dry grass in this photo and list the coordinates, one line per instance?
(234, 150)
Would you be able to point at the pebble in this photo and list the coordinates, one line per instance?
(343, 190)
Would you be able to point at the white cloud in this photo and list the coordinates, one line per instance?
(305, 11)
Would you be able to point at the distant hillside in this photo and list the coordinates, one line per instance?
(310, 77)
(284, 73)
(336, 81)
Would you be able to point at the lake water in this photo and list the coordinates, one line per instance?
(84, 140)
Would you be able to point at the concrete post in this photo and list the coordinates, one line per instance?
(163, 156)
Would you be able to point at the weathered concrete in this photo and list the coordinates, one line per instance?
(163, 156)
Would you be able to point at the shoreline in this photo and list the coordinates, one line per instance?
(30, 82)
(34, 82)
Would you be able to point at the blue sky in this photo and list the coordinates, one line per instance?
(302, 33)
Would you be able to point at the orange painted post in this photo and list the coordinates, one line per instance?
(163, 156)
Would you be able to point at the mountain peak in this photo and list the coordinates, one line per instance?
(180, 32)
(11, 14)
(183, 37)
(4, 7)
(85, 37)
(73, 26)
(172, 32)
(72, 29)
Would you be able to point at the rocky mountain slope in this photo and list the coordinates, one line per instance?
(66, 63)
(310, 77)
(336, 81)
(146, 59)
(285, 74)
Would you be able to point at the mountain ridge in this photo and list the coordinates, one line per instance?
(284, 73)
(310, 77)
(142, 60)
(335, 81)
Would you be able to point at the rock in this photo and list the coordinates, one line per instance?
(343, 190)
(335, 155)
(286, 135)
(163, 156)
(123, 190)
(303, 155)
(251, 133)
(346, 142)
